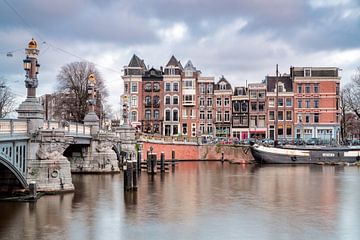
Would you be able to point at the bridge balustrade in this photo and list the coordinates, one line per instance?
(13, 127)
(72, 127)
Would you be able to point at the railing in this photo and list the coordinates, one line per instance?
(70, 127)
(13, 127)
(168, 139)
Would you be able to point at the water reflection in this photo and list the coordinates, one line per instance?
(198, 201)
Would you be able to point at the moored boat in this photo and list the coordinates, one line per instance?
(304, 155)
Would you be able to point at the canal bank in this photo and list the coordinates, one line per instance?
(195, 152)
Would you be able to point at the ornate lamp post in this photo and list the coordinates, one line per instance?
(31, 108)
(91, 119)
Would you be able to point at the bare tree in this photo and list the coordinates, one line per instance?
(72, 85)
(351, 94)
(7, 99)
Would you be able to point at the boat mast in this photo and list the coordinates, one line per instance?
(276, 107)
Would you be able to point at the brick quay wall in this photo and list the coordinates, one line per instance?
(195, 152)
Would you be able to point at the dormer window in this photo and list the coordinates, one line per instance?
(222, 86)
(307, 72)
(281, 87)
(188, 73)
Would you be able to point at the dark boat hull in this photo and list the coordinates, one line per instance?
(263, 154)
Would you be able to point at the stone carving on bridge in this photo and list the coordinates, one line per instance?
(52, 151)
(104, 146)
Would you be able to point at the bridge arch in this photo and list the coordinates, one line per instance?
(10, 168)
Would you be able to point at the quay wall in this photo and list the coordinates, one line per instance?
(195, 152)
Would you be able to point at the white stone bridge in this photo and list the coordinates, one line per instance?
(52, 152)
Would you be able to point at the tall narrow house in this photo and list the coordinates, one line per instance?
(172, 97)
(240, 113)
(222, 98)
(132, 78)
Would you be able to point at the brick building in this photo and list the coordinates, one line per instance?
(316, 100)
(285, 106)
(257, 110)
(189, 107)
(206, 106)
(153, 93)
(172, 97)
(222, 101)
(240, 113)
(132, 78)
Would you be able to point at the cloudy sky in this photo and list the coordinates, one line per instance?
(242, 40)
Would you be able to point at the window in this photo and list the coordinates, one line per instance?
(307, 118)
(209, 115)
(175, 115)
(316, 88)
(156, 114)
(202, 128)
(209, 88)
(167, 115)
(316, 117)
(209, 102)
(147, 87)
(337, 89)
(299, 103)
(252, 94)
(134, 88)
(188, 84)
(193, 129)
(126, 88)
(261, 94)
(133, 116)
(218, 102)
(202, 115)
(218, 116)
(281, 87)
(193, 113)
(307, 72)
(184, 113)
(288, 131)
(188, 73)
(253, 121)
(147, 101)
(222, 86)
(226, 102)
(147, 114)
(175, 129)
(244, 106)
(184, 128)
(202, 102)
(280, 115)
(307, 88)
(167, 87)
(271, 115)
(175, 100)
(156, 87)
(253, 106)
(202, 88)
(289, 115)
(175, 87)
(156, 101)
(261, 122)
(227, 116)
(167, 100)
(316, 103)
(307, 103)
(280, 102)
(134, 101)
(261, 106)
(209, 129)
(271, 102)
(299, 88)
(288, 102)
(236, 106)
(188, 99)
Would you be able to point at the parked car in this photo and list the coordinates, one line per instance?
(267, 141)
(314, 141)
(298, 141)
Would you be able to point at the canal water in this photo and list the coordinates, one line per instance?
(200, 200)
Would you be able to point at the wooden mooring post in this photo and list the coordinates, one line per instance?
(162, 162)
(173, 158)
(222, 157)
(130, 175)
